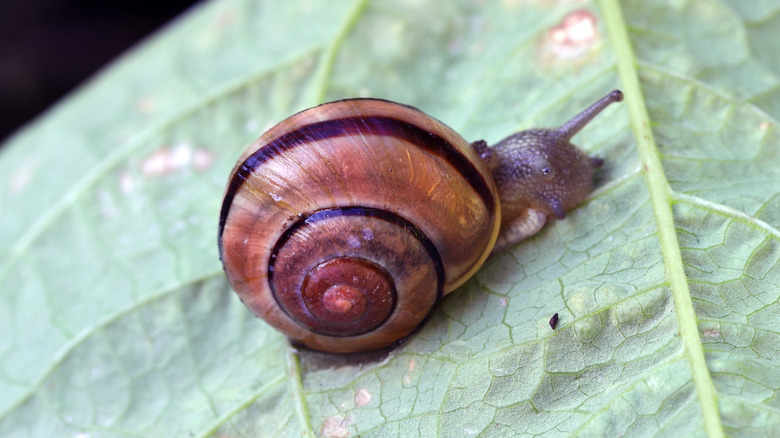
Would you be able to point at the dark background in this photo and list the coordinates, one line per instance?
(47, 47)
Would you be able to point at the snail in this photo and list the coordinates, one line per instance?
(342, 225)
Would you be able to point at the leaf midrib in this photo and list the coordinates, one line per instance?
(661, 201)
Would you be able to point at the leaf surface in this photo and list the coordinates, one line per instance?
(117, 319)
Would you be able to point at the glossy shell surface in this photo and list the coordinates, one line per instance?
(394, 204)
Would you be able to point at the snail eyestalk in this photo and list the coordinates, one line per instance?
(540, 175)
(573, 126)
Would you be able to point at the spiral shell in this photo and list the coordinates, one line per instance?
(343, 225)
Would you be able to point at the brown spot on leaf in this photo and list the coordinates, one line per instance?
(335, 427)
(572, 39)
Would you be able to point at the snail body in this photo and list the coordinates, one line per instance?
(344, 224)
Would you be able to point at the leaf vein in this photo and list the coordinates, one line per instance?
(662, 207)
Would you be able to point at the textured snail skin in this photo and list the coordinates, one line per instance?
(540, 174)
(344, 224)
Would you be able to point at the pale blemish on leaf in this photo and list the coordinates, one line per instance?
(165, 161)
(605, 295)
(710, 333)
(589, 328)
(409, 371)
(226, 20)
(251, 125)
(108, 209)
(202, 160)
(573, 38)
(127, 183)
(579, 302)
(21, 178)
(145, 105)
(628, 315)
(335, 427)
(362, 397)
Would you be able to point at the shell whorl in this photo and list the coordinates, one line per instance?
(364, 268)
(347, 185)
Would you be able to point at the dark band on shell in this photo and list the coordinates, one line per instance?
(375, 125)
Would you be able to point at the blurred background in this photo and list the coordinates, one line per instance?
(48, 47)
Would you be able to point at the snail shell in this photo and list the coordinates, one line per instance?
(344, 224)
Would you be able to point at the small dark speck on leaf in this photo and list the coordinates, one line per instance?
(554, 321)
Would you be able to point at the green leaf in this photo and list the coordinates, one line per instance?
(117, 320)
